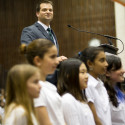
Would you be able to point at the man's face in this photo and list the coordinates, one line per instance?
(45, 15)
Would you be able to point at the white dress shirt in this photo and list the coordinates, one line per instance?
(118, 114)
(76, 112)
(17, 116)
(97, 94)
(50, 99)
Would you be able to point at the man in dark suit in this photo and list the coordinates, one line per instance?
(42, 29)
(44, 12)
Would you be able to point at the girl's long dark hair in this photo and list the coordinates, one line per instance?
(114, 63)
(68, 79)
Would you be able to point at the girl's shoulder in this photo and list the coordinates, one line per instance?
(14, 114)
(13, 108)
(68, 98)
(20, 109)
(48, 85)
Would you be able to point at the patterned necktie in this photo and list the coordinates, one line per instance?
(50, 33)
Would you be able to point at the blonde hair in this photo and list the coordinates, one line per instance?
(17, 90)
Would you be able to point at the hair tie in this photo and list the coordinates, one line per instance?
(79, 53)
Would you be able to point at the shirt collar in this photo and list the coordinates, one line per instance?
(44, 26)
(95, 82)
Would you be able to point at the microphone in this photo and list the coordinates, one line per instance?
(112, 37)
(110, 45)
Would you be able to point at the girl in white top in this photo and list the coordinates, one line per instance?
(72, 80)
(22, 86)
(114, 77)
(95, 60)
(43, 54)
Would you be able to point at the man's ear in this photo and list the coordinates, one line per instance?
(37, 14)
(37, 61)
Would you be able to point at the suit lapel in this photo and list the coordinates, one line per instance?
(43, 31)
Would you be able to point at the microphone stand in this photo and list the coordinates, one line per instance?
(107, 36)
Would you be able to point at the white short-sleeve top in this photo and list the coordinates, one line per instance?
(17, 116)
(50, 99)
(76, 112)
(118, 114)
(97, 94)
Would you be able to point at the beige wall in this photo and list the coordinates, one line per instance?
(120, 28)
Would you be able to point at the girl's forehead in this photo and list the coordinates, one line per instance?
(101, 54)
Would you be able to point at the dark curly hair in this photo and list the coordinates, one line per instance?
(114, 63)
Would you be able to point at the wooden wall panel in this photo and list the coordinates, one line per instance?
(91, 15)
(14, 15)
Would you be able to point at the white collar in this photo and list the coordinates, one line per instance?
(44, 26)
(96, 82)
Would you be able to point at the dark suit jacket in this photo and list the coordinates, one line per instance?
(37, 31)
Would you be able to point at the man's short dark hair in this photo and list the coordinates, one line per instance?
(42, 1)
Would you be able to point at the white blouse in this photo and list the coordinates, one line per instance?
(118, 114)
(17, 116)
(50, 99)
(76, 112)
(97, 94)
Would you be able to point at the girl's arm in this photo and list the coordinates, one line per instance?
(92, 107)
(42, 115)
